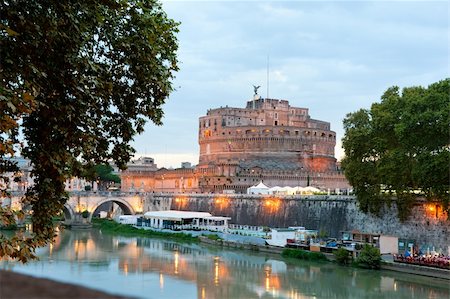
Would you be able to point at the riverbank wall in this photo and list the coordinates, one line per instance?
(428, 224)
(385, 265)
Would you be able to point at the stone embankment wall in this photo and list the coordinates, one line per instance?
(331, 214)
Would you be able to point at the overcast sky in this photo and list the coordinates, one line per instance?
(331, 57)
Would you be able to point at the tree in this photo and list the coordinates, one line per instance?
(102, 173)
(369, 257)
(342, 256)
(400, 147)
(79, 79)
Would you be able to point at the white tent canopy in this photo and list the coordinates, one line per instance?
(258, 189)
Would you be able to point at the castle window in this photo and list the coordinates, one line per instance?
(296, 132)
(276, 123)
(276, 115)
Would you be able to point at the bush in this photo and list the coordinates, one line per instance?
(214, 237)
(342, 256)
(110, 226)
(85, 214)
(369, 258)
(304, 255)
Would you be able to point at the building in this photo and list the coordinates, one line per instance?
(22, 180)
(268, 141)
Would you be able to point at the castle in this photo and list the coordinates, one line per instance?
(268, 141)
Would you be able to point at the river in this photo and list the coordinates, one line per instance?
(156, 268)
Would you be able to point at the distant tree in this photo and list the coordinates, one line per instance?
(103, 174)
(79, 79)
(399, 147)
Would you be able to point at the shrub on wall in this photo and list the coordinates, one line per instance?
(342, 256)
(304, 255)
(85, 214)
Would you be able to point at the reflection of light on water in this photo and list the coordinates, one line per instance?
(50, 249)
(216, 270)
(395, 286)
(176, 261)
(267, 280)
(203, 293)
(125, 269)
(161, 280)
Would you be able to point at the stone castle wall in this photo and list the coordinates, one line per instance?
(330, 214)
(265, 128)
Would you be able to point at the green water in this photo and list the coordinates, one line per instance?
(155, 268)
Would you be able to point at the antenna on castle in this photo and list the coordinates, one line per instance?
(267, 96)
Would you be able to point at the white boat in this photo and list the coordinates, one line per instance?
(279, 236)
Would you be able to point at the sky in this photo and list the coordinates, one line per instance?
(331, 57)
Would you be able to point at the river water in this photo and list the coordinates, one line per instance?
(156, 268)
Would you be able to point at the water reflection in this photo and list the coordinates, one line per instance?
(156, 268)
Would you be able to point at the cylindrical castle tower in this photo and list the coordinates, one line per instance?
(269, 134)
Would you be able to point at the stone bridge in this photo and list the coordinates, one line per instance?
(129, 203)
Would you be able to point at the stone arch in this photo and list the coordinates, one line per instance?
(69, 214)
(123, 204)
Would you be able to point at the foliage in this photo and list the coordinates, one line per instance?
(369, 257)
(85, 214)
(79, 79)
(303, 254)
(110, 226)
(342, 256)
(102, 173)
(398, 147)
(322, 234)
(214, 237)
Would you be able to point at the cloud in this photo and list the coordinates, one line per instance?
(331, 57)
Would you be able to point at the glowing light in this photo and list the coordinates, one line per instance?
(161, 280)
(222, 202)
(177, 260)
(181, 199)
(272, 203)
(203, 293)
(216, 270)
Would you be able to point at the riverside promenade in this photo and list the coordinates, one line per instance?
(387, 263)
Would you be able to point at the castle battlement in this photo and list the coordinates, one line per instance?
(267, 140)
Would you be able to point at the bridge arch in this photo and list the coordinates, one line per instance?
(69, 213)
(126, 207)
